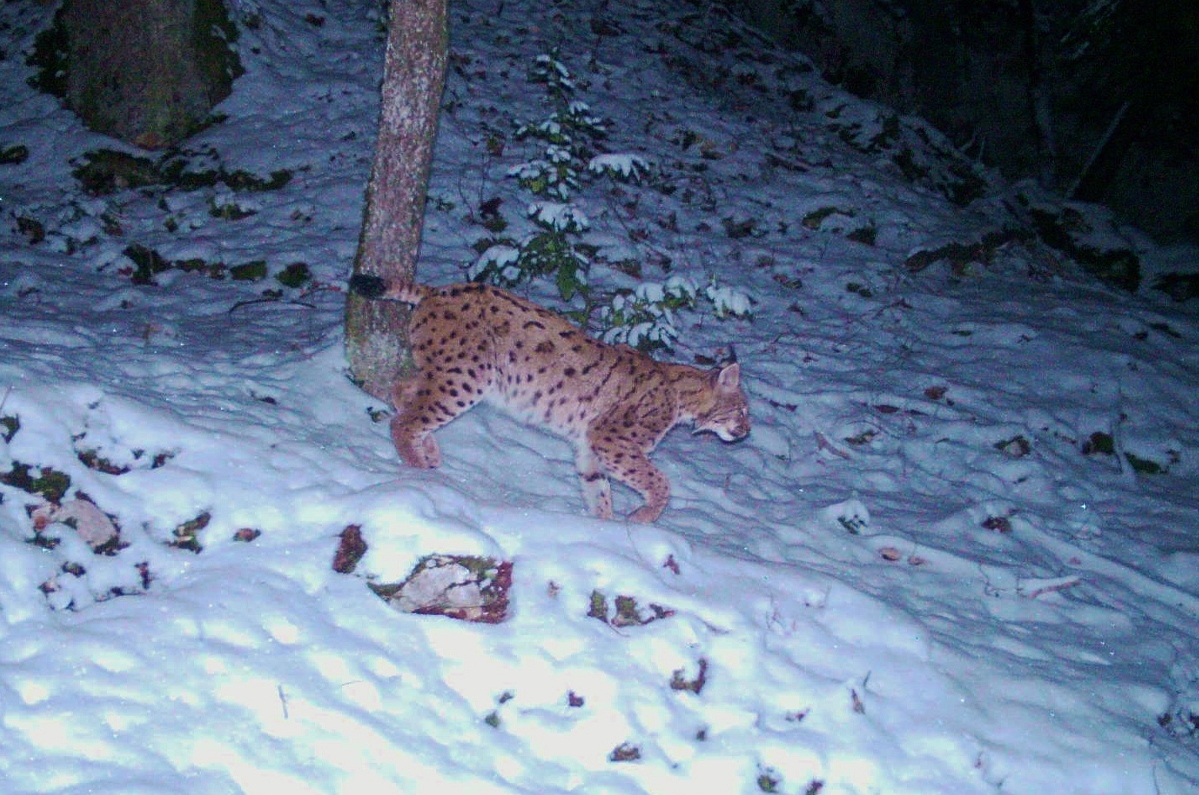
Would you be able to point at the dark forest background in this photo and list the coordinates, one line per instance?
(1096, 99)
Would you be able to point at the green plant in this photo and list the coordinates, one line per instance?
(621, 167)
(644, 318)
(547, 69)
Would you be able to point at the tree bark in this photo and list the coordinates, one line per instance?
(413, 80)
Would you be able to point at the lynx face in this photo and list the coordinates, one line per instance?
(474, 342)
(729, 417)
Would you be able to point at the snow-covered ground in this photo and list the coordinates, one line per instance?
(941, 563)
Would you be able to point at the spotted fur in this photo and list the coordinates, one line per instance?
(474, 343)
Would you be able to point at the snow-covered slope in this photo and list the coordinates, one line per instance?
(957, 554)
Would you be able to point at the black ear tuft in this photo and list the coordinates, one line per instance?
(367, 286)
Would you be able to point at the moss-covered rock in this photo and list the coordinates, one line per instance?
(148, 73)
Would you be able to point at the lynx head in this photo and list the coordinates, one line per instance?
(728, 414)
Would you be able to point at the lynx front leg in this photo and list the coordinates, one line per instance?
(654, 487)
(628, 463)
(597, 491)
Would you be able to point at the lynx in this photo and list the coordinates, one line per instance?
(474, 343)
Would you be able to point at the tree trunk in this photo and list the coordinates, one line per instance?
(147, 71)
(413, 79)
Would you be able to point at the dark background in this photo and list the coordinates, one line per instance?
(1096, 99)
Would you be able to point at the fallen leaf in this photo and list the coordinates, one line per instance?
(351, 549)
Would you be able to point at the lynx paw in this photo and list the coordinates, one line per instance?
(645, 514)
(421, 454)
(432, 453)
(414, 458)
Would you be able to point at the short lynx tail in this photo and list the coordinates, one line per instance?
(375, 287)
(367, 286)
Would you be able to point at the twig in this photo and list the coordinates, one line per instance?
(252, 301)
(1098, 150)
(822, 443)
(1031, 589)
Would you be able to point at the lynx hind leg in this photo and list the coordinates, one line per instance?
(413, 425)
(628, 463)
(417, 447)
(597, 490)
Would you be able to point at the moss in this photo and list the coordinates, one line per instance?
(1166, 329)
(865, 235)
(214, 35)
(214, 270)
(906, 160)
(94, 461)
(12, 155)
(1179, 286)
(249, 272)
(230, 211)
(49, 59)
(1144, 466)
(105, 171)
(1117, 267)
(1016, 447)
(49, 483)
(598, 606)
(244, 180)
(186, 534)
(147, 262)
(768, 782)
(627, 612)
(174, 170)
(738, 229)
(385, 591)
(10, 425)
(814, 219)
(1099, 443)
(495, 223)
(968, 187)
(297, 274)
(887, 136)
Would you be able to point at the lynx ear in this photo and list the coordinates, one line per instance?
(367, 286)
(728, 377)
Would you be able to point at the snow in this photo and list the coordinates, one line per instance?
(910, 578)
(557, 216)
